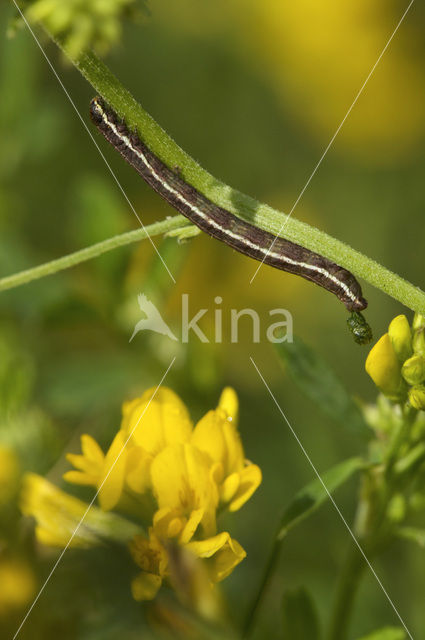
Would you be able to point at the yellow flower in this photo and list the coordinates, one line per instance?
(220, 553)
(186, 494)
(384, 368)
(105, 472)
(230, 404)
(223, 554)
(151, 556)
(17, 585)
(156, 458)
(59, 515)
(401, 337)
(396, 363)
(149, 424)
(156, 420)
(216, 434)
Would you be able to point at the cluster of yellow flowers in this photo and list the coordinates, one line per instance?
(169, 474)
(396, 363)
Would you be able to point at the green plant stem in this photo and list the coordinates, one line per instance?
(347, 590)
(400, 436)
(72, 259)
(101, 78)
(105, 83)
(372, 531)
(255, 604)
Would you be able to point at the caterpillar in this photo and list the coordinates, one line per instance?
(220, 223)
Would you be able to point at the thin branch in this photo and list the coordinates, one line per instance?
(72, 259)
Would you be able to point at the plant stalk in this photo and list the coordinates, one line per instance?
(259, 214)
(72, 259)
(347, 589)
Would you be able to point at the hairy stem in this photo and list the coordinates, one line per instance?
(72, 259)
(105, 83)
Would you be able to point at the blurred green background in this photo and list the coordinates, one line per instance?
(254, 90)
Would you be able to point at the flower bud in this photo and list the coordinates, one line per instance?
(419, 342)
(401, 337)
(417, 397)
(418, 322)
(413, 370)
(384, 368)
(396, 510)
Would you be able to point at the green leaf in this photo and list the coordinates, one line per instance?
(300, 619)
(314, 494)
(413, 534)
(386, 633)
(320, 383)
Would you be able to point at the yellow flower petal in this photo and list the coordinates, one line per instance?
(384, 367)
(149, 554)
(208, 547)
(111, 482)
(158, 421)
(181, 480)
(137, 473)
(77, 477)
(191, 525)
(167, 523)
(224, 554)
(91, 449)
(219, 439)
(250, 480)
(208, 436)
(235, 452)
(226, 559)
(401, 337)
(56, 512)
(229, 487)
(81, 463)
(18, 584)
(230, 404)
(89, 465)
(145, 586)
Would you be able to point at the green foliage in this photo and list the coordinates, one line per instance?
(84, 24)
(319, 382)
(299, 615)
(387, 633)
(24, 426)
(315, 494)
(412, 534)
